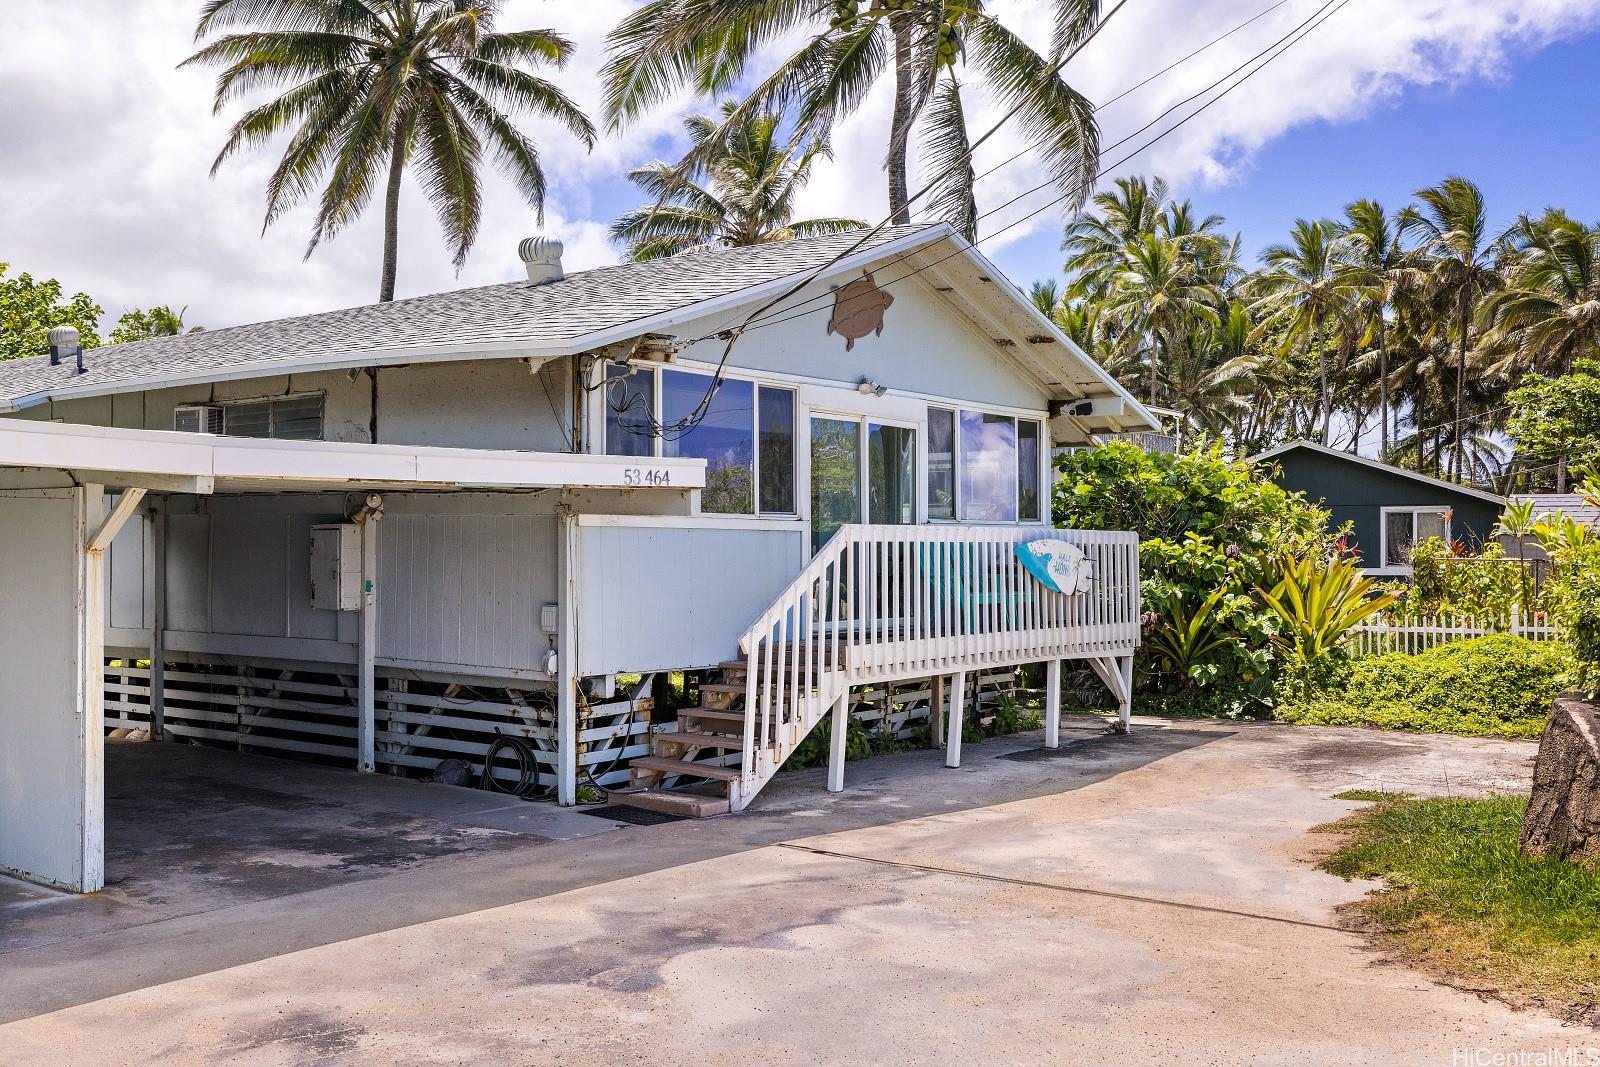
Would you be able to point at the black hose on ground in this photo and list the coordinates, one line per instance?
(527, 765)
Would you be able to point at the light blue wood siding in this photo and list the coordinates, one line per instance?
(465, 589)
(665, 597)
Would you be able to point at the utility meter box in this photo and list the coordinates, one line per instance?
(336, 567)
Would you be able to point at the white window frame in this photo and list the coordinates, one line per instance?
(1042, 461)
(320, 395)
(863, 489)
(1404, 566)
(757, 384)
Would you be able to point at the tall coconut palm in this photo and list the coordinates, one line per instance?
(1374, 264)
(1452, 224)
(1130, 210)
(1302, 294)
(707, 47)
(1156, 297)
(750, 199)
(1548, 315)
(373, 86)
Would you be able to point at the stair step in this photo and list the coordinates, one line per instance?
(720, 694)
(733, 720)
(692, 738)
(691, 804)
(667, 765)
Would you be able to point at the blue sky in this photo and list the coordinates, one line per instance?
(1529, 136)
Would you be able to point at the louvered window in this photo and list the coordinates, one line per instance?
(286, 418)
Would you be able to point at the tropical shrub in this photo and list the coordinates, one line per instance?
(1448, 580)
(1572, 596)
(1211, 532)
(1498, 685)
(1316, 602)
(1120, 486)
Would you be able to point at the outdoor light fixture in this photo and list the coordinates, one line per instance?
(867, 387)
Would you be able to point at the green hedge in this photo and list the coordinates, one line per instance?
(1497, 686)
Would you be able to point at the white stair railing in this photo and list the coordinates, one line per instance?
(879, 604)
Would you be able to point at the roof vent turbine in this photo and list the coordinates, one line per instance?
(542, 257)
(64, 344)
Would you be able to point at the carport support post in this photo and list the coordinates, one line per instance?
(952, 730)
(158, 624)
(567, 662)
(1052, 704)
(841, 729)
(366, 702)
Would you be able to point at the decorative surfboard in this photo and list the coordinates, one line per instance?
(1057, 565)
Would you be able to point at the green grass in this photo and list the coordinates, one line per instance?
(1462, 902)
(1369, 794)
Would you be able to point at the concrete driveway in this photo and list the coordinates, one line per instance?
(1121, 901)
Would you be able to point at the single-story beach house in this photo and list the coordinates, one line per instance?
(1389, 508)
(406, 532)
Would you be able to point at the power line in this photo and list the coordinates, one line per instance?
(700, 410)
(1277, 49)
(1135, 88)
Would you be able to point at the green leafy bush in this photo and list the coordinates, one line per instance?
(1211, 532)
(1573, 598)
(1488, 686)
(1448, 580)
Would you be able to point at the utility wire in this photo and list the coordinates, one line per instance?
(1277, 49)
(701, 409)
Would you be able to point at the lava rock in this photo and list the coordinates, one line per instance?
(453, 772)
(1563, 816)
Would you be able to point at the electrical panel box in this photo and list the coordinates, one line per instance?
(548, 616)
(336, 567)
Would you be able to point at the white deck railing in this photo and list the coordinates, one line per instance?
(1422, 632)
(885, 603)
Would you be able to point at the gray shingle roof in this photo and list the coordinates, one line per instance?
(575, 307)
(1564, 504)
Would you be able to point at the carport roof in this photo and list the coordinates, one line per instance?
(167, 461)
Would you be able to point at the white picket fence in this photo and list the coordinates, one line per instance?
(1420, 633)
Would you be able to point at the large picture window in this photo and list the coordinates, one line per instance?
(984, 467)
(746, 436)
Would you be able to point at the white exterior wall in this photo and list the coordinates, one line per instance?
(51, 739)
(663, 594)
(927, 348)
(485, 404)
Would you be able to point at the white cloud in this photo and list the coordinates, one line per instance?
(107, 145)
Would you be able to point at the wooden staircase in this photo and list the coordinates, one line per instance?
(690, 771)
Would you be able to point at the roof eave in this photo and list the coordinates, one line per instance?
(501, 350)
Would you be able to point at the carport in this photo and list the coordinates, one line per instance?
(66, 491)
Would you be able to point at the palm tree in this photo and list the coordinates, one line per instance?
(1374, 264)
(1156, 297)
(1132, 209)
(1452, 224)
(1302, 293)
(707, 45)
(1548, 314)
(750, 200)
(373, 85)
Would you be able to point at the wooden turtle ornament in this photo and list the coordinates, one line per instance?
(858, 310)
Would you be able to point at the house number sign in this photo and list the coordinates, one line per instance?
(646, 476)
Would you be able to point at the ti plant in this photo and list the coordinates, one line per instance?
(1317, 603)
(1518, 522)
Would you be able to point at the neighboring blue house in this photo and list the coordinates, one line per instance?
(1389, 508)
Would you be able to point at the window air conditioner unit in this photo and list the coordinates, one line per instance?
(197, 418)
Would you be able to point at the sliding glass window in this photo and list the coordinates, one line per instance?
(724, 437)
(776, 427)
(984, 467)
(988, 467)
(746, 434)
(630, 397)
